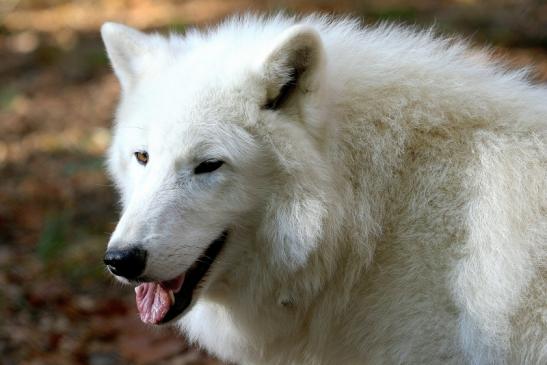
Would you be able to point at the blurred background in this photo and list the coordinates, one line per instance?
(57, 207)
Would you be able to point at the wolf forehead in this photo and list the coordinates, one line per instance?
(183, 101)
(200, 76)
(191, 107)
(175, 96)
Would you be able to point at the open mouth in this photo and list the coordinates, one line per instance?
(160, 302)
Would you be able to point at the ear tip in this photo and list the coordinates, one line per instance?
(109, 28)
(304, 30)
(303, 35)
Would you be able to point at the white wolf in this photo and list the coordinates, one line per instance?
(309, 191)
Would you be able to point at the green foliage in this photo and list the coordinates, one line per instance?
(7, 95)
(178, 27)
(406, 14)
(96, 58)
(85, 163)
(53, 237)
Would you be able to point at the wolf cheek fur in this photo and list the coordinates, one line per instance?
(384, 191)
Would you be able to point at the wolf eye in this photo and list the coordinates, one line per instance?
(208, 166)
(142, 157)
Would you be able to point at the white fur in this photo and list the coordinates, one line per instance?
(392, 211)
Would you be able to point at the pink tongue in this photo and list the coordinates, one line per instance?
(153, 302)
(153, 299)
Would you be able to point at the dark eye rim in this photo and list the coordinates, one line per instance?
(208, 166)
(142, 157)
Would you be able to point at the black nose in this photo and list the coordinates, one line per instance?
(128, 262)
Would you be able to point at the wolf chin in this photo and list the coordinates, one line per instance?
(306, 190)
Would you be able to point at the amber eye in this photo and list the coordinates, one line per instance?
(142, 157)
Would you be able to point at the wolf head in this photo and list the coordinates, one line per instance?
(217, 141)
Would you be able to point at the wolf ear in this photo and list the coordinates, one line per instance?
(292, 65)
(125, 47)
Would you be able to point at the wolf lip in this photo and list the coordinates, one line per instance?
(160, 302)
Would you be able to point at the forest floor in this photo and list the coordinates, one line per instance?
(57, 206)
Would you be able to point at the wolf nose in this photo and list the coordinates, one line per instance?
(128, 263)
